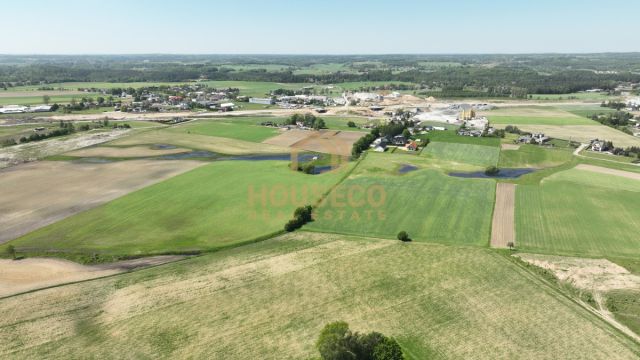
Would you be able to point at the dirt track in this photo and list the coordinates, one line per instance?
(40, 193)
(603, 170)
(37, 273)
(503, 224)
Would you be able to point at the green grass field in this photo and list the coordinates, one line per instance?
(450, 136)
(271, 299)
(429, 205)
(533, 156)
(536, 120)
(340, 123)
(245, 128)
(478, 155)
(573, 96)
(37, 100)
(212, 206)
(577, 212)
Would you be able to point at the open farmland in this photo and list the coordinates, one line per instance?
(580, 212)
(324, 141)
(278, 294)
(217, 205)
(478, 155)
(534, 156)
(202, 142)
(537, 115)
(41, 193)
(27, 98)
(428, 204)
(503, 224)
(246, 129)
(125, 151)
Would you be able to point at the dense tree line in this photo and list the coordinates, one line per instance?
(511, 77)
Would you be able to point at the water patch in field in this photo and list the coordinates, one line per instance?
(503, 174)
(407, 168)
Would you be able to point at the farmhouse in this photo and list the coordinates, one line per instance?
(412, 146)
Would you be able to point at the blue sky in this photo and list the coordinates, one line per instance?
(318, 27)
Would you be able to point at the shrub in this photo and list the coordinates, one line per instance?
(388, 349)
(351, 124)
(403, 236)
(337, 342)
(491, 171)
(11, 251)
(301, 216)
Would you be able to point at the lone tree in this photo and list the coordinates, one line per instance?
(46, 99)
(351, 124)
(11, 251)
(403, 236)
(511, 245)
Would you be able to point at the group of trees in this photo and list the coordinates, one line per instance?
(614, 105)
(308, 120)
(65, 128)
(614, 119)
(364, 142)
(301, 216)
(337, 342)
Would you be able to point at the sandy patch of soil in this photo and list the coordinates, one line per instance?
(41, 193)
(509, 147)
(603, 170)
(124, 152)
(586, 274)
(503, 224)
(36, 273)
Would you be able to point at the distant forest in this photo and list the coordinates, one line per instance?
(495, 74)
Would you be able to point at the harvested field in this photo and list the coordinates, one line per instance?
(604, 170)
(329, 142)
(18, 276)
(582, 133)
(202, 142)
(271, 299)
(41, 193)
(124, 152)
(288, 138)
(32, 151)
(509, 146)
(503, 224)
